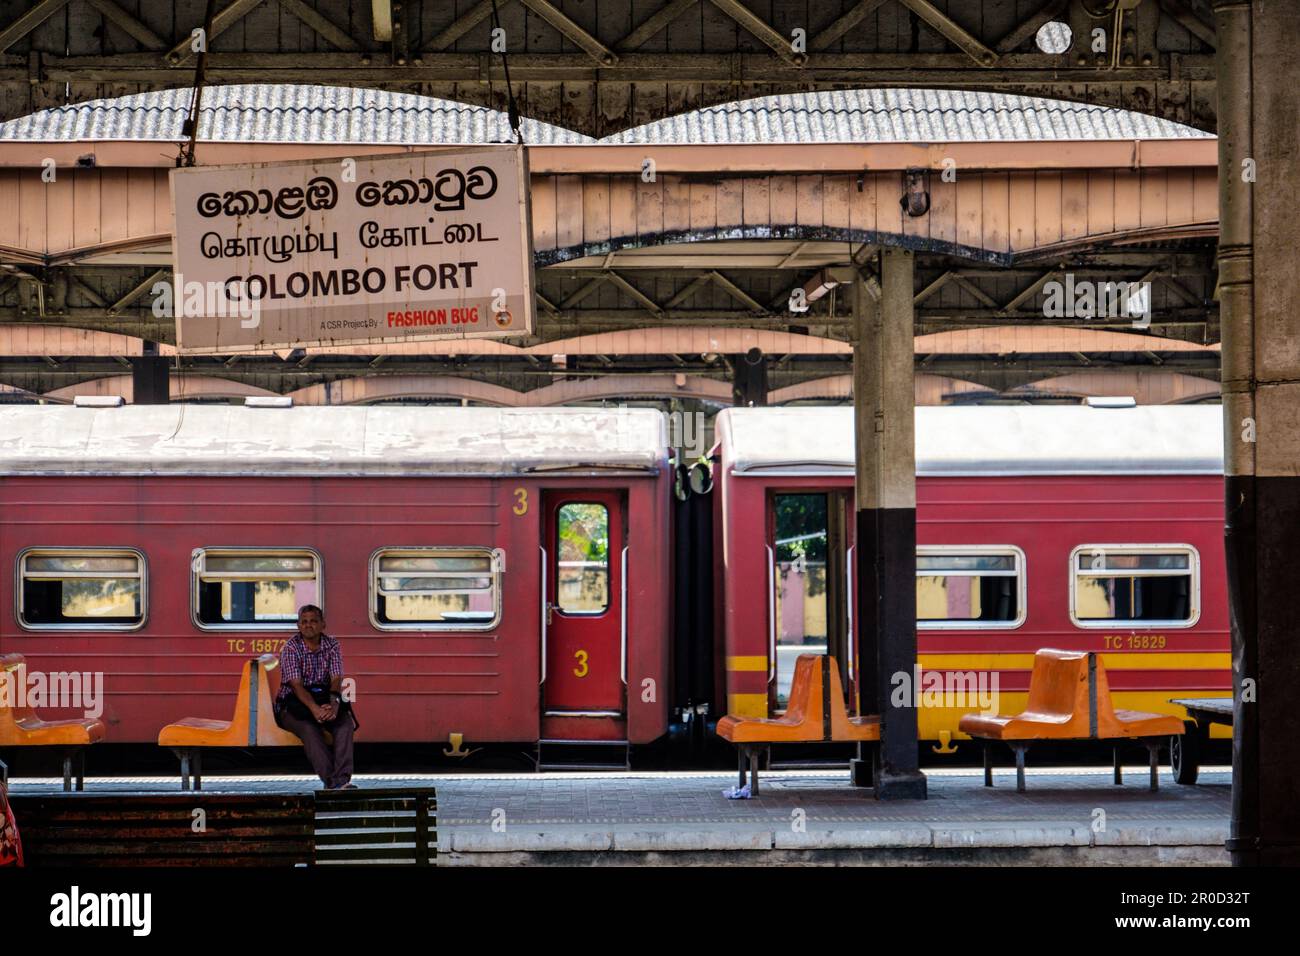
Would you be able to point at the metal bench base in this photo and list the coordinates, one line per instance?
(1019, 748)
(191, 759)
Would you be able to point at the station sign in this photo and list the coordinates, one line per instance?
(413, 247)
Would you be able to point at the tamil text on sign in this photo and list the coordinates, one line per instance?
(350, 251)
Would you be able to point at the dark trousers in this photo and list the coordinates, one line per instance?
(332, 762)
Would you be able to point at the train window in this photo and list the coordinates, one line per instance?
(582, 575)
(254, 588)
(450, 589)
(970, 587)
(1135, 585)
(93, 588)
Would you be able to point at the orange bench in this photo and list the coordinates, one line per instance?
(1069, 699)
(814, 714)
(253, 724)
(20, 727)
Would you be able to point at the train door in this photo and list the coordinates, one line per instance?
(585, 622)
(809, 589)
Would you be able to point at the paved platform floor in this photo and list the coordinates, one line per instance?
(1066, 817)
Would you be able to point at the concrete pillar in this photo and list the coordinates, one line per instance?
(884, 423)
(1259, 114)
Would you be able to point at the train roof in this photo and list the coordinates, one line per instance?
(986, 440)
(327, 441)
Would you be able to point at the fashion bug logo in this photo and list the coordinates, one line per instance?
(75, 909)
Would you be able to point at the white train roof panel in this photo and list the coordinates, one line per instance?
(987, 440)
(324, 441)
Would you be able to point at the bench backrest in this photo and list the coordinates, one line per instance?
(13, 670)
(805, 700)
(1107, 723)
(253, 722)
(839, 709)
(1059, 689)
(1073, 684)
(264, 731)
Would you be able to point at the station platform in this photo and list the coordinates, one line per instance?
(1067, 817)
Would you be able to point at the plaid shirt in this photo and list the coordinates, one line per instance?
(310, 667)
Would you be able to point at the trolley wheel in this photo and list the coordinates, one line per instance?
(1185, 754)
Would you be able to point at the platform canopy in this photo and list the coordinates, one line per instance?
(658, 290)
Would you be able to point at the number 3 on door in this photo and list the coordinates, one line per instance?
(581, 669)
(521, 501)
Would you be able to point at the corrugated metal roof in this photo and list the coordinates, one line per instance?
(983, 440)
(321, 441)
(852, 116)
(323, 114)
(275, 113)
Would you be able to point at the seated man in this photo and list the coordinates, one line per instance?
(309, 703)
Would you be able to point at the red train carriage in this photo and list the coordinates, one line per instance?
(499, 574)
(1075, 527)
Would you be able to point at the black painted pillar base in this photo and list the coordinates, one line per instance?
(1262, 514)
(886, 544)
(901, 786)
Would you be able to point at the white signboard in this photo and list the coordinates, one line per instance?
(340, 252)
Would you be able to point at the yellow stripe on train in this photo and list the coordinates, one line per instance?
(1119, 660)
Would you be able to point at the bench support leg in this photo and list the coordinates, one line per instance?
(198, 769)
(861, 769)
(988, 765)
(1119, 770)
(754, 756)
(67, 770)
(186, 755)
(1020, 766)
(1153, 747)
(740, 753)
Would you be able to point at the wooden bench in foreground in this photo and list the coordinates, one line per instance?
(385, 826)
(20, 727)
(253, 724)
(171, 829)
(1069, 699)
(815, 713)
